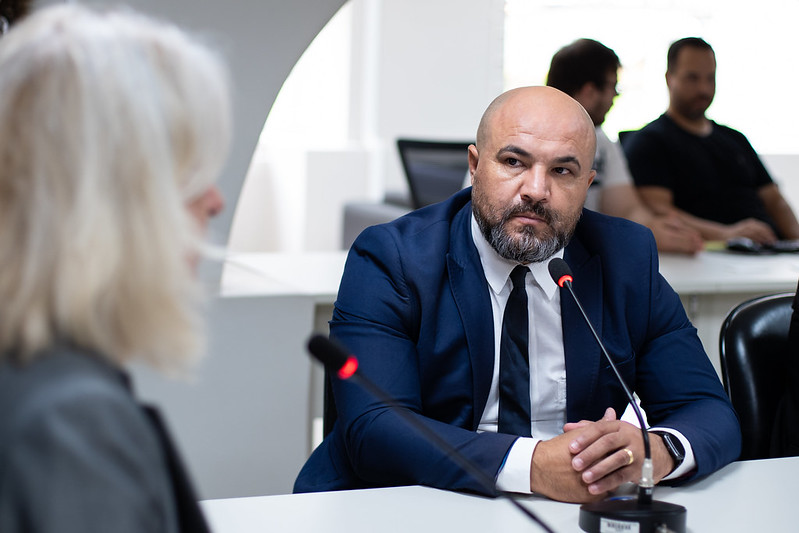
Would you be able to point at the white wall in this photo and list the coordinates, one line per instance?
(261, 40)
(784, 171)
(418, 69)
(439, 66)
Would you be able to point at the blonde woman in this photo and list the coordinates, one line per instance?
(113, 128)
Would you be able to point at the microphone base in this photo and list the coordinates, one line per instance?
(630, 515)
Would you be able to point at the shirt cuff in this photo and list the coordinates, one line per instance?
(514, 474)
(689, 463)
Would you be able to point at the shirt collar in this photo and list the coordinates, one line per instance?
(497, 269)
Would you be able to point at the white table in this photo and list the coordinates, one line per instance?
(742, 497)
(318, 273)
(315, 274)
(710, 284)
(724, 272)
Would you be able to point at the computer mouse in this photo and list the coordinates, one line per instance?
(744, 245)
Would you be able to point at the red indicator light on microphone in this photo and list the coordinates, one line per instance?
(563, 279)
(348, 369)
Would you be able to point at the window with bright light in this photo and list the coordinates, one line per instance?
(754, 44)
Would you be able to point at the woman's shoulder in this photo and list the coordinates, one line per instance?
(74, 433)
(70, 394)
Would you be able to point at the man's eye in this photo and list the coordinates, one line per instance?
(512, 161)
(560, 170)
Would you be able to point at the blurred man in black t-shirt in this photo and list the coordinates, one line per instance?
(684, 162)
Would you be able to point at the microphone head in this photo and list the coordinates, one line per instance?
(560, 271)
(332, 355)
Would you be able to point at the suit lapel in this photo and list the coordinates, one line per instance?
(583, 355)
(470, 291)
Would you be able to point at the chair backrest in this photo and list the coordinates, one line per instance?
(435, 170)
(753, 347)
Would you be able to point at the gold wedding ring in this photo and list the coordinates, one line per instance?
(630, 456)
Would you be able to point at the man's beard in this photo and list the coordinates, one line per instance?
(525, 245)
(694, 108)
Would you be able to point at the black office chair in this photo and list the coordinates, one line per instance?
(753, 346)
(435, 170)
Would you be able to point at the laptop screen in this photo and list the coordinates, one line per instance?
(435, 170)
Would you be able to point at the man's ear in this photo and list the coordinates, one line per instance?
(473, 158)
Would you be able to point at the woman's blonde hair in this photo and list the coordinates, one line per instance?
(110, 122)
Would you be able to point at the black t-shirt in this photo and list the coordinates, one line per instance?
(714, 177)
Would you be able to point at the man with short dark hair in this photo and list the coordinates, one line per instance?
(707, 173)
(587, 71)
(11, 11)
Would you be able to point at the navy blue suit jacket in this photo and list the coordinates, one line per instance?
(414, 307)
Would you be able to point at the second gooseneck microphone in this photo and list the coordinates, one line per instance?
(345, 366)
(648, 515)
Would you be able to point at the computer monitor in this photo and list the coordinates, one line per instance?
(435, 170)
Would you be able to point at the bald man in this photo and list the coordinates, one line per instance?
(422, 303)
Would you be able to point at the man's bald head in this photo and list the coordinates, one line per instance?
(545, 105)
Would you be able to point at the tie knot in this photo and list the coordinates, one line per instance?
(517, 276)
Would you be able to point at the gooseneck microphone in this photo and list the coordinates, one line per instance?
(647, 514)
(345, 366)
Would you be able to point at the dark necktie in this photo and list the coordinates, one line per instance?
(514, 364)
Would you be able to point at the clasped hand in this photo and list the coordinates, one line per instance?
(588, 460)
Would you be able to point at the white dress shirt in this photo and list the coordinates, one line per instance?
(547, 364)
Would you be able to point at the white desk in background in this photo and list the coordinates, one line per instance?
(318, 274)
(732, 273)
(709, 284)
(315, 274)
(742, 497)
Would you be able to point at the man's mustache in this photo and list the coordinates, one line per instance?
(537, 208)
